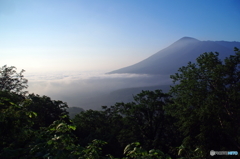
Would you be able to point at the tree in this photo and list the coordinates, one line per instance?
(12, 81)
(206, 98)
(48, 110)
(145, 121)
(135, 151)
(15, 125)
(93, 124)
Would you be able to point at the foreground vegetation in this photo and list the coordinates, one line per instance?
(200, 113)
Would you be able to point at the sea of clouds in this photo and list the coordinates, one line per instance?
(81, 88)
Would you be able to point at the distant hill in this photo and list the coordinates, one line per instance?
(168, 60)
(74, 111)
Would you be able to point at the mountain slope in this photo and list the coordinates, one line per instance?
(168, 60)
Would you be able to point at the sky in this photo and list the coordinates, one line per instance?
(94, 35)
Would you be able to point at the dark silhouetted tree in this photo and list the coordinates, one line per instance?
(206, 99)
(12, 81)
(48, 110)
(145, 121)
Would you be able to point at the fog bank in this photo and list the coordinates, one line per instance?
(88, 90)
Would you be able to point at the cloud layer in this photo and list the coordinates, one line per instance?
(81, 89)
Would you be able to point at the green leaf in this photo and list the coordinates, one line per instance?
(49, 142)
(73, 127)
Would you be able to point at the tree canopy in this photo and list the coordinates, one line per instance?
(12, 81)
(48, 110)
(206, 101)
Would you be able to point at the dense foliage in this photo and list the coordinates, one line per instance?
(12, 81)
(199, 114)
(206, 102)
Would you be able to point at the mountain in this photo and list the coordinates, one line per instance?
(168, 60)
(74, 111)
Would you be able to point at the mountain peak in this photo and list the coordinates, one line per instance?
(184, 41)
(187, 39)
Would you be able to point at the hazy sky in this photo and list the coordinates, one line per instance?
(83, 35)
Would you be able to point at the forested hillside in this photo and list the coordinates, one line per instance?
(200, 113)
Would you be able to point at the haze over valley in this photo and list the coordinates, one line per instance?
(91, 92)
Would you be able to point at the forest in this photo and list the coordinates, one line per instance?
(200, 113)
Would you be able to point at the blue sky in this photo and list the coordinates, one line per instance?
(103, 35)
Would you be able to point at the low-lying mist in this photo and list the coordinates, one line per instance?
(91, 90)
